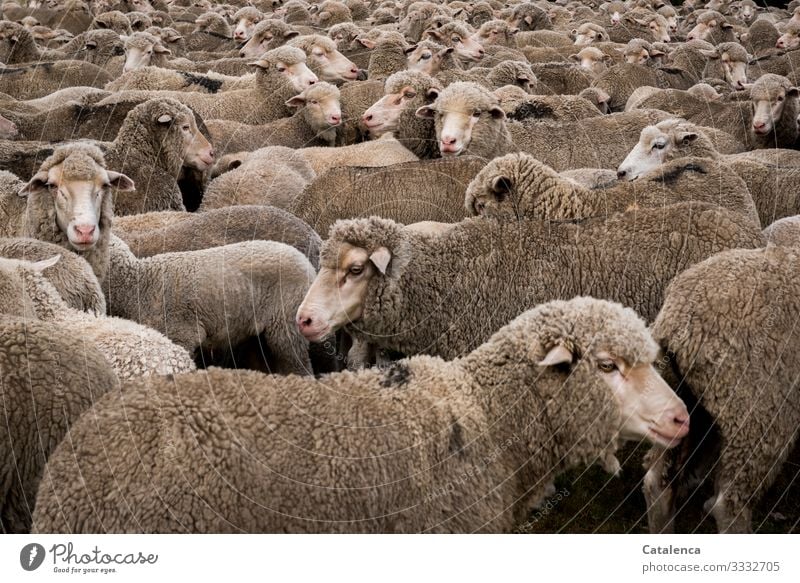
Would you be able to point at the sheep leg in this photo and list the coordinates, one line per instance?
(659, 491)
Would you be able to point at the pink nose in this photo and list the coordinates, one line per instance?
(85, 232)
(366, 117)
(238, 34)
(304, 323)
(334, 119)
(680, 420)
(779, 44)
(448, 140)
(759, 125)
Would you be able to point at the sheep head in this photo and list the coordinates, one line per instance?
(769, 96)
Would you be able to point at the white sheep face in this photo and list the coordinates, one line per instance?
(332, 65)
(142, 55)
(767, 112)
(650, 152)
(244, 30)
(336, 298)
(383, 115)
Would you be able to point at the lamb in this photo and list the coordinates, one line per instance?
(41, 79)
(324, 59)
(156, 141)
(280, 74)
(72, 276)
(318, 115)
(17, 46)
(641, 250)
(772, 176)
(518, 186)
(727, 327)
(267, 35)
(43, 394)
(467, 422)
(168, 231)
(430, 190)
(785, 231)
(273, 176)
(712, 27)
(132, 350)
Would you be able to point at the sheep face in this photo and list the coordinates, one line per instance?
(656, 146)
(426, 59)
(382, 116)
(591, 59)
(588, 33)
(322, 109)
(457, 117)
(140, 51)
(495, 32)
(707, 26)
(77, 187)
(8, 129)
(198, 152)
(637, 56)
(648, 406)
(244, 28)
(297, 74)
(464, 46)
(768, 101)
(263, 39)
(790, 39)
(337, 296)
(331, 65)
(140, 6)
(733, 58)
(745, 10)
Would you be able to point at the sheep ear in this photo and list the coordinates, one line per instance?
(687, 138)
(501, 188)
(381, 258)
(40, 266)
(793, 92)
(426, 112)
(656, 53)
(529, 19)
(120, 181)
(709, 53)
(431, 95)
(162, 49)
(574, 32)
(446, 51)
(366, 43)
(726, 25)
(164, 118)
(296, 101)
(575, 57)
(497, 113)
(261, 63)
(36, 184)
(410, 49)
(432, 32)
(290, 33)
(559, 354)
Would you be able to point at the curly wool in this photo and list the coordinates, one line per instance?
(729, 325)
(495, 404)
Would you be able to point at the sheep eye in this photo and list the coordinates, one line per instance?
(426, 56)
(658, 146)
(607, 366)
(281, 69)
(314, 102)
(780, 98)
(356, 269)
(476, 113)
(186, 128)
(456, 39)
(410, 94)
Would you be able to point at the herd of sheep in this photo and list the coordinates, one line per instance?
(395, 265)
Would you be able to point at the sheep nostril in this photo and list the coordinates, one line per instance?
(621, 174)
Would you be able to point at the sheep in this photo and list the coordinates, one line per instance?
(156, 141)
(504, 73)
(521, 106)
(785, 231)
(457, 36)
(638, 52)
(132, 350)
(496, 32)
(324, 59)
(104, 48)
(589, 33)
(38, 80)
(167, 231)
(469, 120)
(430, 57)
(139, 21)
(387, 55)
(772, 176)
(331, 12)
(620, 80)
(517, 185)
(246, 19)
(113, 20)
(728, 327)
(592, 59)
(280, 74)
(388, 309)
(213, 33)
(728, 61)
(44, 391)
(561, 78)
(271, 176)
(160, 79)
(267, 35)
(712, 27)
(18, 47)
(527, 16)
(143, 49)
(385, 151)
(72, 276)
(468, 425)
(318, 115)
(431, 190)
(761, 38)
(768, 120)
(790, 39)
(651, 27)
